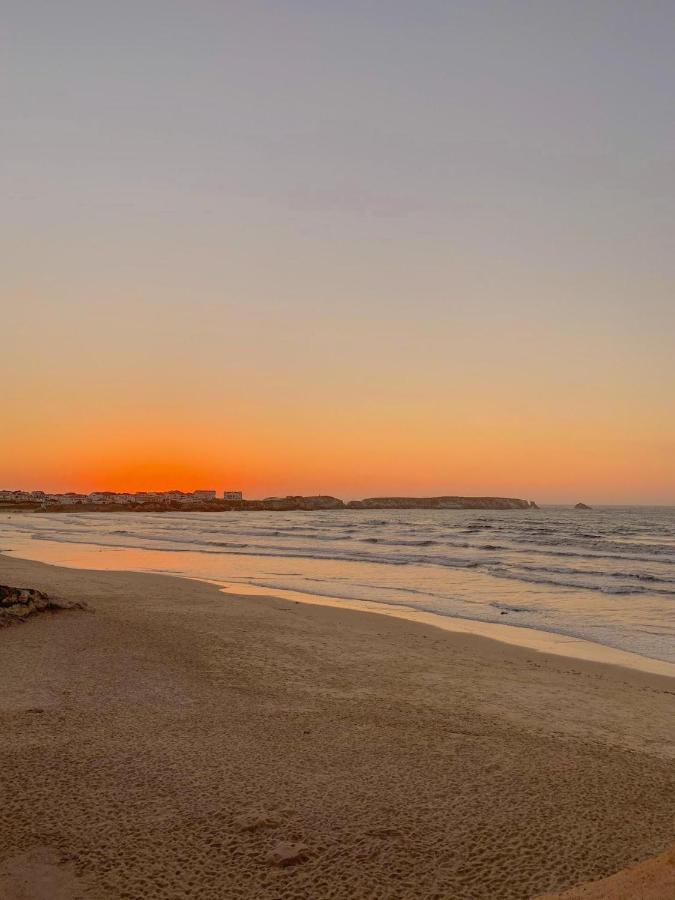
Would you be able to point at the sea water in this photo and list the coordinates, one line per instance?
(606, 575)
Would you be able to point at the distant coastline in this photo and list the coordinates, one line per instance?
(269, 504)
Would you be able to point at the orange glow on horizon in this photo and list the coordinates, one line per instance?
(545, 468)
(239, 277)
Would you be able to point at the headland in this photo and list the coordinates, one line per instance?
(207, 501)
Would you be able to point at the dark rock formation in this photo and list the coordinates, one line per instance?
(295, 502)
(17, 604)
(582, 506)
(439, 503)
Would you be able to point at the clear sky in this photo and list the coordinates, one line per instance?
(340, 247)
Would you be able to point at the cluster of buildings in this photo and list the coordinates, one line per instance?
(113, 497)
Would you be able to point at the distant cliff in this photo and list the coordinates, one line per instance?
(293, 502)
(288, 504)
(441, 503)
(323, 502)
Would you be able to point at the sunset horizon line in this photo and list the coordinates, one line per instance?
(199, 493)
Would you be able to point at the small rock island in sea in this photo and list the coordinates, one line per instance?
(582, 506)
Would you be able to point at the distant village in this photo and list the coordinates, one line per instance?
(110, 498)
(210, 501)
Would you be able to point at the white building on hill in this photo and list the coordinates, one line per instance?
(204, 495)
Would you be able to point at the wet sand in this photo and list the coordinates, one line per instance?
(166, 743)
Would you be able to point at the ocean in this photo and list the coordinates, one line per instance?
(606, 575)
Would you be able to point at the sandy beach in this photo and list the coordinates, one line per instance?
(174, 742)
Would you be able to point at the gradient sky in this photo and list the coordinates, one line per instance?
(339, 247)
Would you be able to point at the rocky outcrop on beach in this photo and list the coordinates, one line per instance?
(439, 503)
(18, 604)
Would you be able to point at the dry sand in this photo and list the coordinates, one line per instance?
(178, 743)
(650, 880)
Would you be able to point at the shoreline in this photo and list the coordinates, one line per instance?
(560, 576)
(547, 642)
(167, 740)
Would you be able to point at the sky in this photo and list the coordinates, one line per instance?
(355, 248)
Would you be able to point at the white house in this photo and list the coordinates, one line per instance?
(13, 495)
(204, 495)
(232, 495)
(21, 495)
